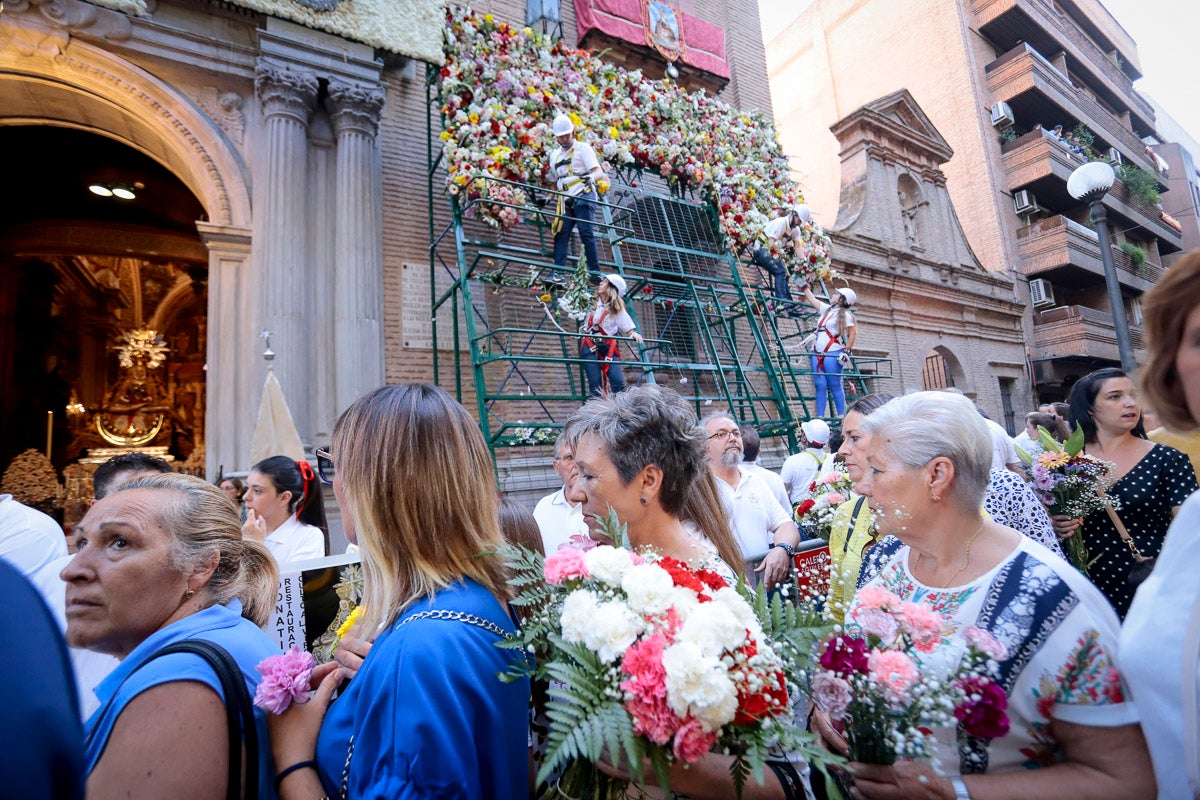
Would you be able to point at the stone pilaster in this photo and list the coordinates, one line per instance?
(286, 97)
(358, 247)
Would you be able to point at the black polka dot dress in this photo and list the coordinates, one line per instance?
(1162, 480)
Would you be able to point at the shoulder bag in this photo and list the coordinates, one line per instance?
(1143, 565)
(239, 711)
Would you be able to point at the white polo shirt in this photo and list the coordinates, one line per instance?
(28, 538)
(753, 511)
(558, 520)
(800, 470)
(294, 541)
(773, 482)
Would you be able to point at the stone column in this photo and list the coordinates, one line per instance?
(358, 243)
(233, 376)
(285, 289)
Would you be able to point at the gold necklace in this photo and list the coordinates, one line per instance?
(967, 562)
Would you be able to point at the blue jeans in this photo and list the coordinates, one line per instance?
(595, 377)
(778, 272)
(829, 378)
(578, 213)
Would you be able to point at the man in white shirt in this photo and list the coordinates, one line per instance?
(759, 522)
(750, 447)
(783, 232)
(28, 538)
(558, 517)
(575, 171)
(799, 471)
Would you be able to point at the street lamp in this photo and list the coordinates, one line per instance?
(1090, 183)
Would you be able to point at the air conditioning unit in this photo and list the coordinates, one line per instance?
(1114, 155)
(1024, 202)
(1002, 116)
(1041, 293)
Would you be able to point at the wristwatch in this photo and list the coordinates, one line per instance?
(960, 788)
(787, 548)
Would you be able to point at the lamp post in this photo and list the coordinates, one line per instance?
(1090, 183)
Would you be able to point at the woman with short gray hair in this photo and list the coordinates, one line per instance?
(1072, 733)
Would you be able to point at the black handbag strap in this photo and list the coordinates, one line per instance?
(239, 711)
(853, 519)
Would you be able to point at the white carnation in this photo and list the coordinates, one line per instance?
(697, 684)
(737, 604)
(648, 588)
(713, 628)
(613, 627)
(608, 564)
(577, 612)
(684, 600)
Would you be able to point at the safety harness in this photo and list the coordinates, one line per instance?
(564, 184)
(605, 348)
(834, 338)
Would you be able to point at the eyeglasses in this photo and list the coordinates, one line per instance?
(732, 433)
(325, 467)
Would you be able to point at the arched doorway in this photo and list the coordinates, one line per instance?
(942, 370)
(78, 271)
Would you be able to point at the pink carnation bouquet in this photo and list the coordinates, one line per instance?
(286, 679)
(815, 515)
(894, 674)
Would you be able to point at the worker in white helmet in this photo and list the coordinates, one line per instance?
(784, 232)
(576, 171)
(832, 346)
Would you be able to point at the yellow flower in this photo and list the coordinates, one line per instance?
(576, 119)
(351, 620)
(545, 298)
(474, 118)
(751, 192)
(593, 88)
(488, 18)
(444, 136)
(612, 132)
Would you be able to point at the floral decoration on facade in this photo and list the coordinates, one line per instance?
(502, 86)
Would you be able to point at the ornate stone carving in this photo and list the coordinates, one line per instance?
(354, 107)
(225, 109)
(46, 26)
(283, 91)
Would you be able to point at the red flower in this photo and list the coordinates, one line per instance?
(984, 717)
(772, 699)
(844, 655)
(712, 580)
(805, 507)
(681, 575)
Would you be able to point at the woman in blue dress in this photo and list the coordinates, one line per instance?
(426, 714)
(162, 560)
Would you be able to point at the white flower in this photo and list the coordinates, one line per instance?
(577, 613)
(648, 589)
(737, 604)
(608, 564)
(698, 685)
(713, 628)
(613, 627)
(684, 600)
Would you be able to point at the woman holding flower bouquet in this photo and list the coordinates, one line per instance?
(1047, 716)
(426, 714)
(1151, 481)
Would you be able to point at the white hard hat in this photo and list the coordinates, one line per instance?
(563, 125)
(816, 431)
(618, 283)
(803, 212)
(848, 293)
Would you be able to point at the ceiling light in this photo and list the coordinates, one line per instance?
(100, 189)
(123, 192)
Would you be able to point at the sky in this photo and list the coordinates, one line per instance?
(1166, 33)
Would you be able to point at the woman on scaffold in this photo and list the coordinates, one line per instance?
(598, 348)
(835, 335)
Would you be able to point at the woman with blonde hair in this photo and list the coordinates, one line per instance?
(1161, 666)
(160, 561)
(426, 714)
(598, 349)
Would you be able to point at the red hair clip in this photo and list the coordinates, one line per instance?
(306, 472)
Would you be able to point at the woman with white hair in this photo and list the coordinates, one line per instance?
(598, 348)
(835, 335)
(1072, 732)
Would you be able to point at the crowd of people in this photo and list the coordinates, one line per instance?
(172, 581)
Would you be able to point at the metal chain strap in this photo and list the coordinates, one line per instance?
(457, 616)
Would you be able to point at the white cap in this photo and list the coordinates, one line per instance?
(816, 431)
(563, 125)
(803, 212)
(618, 283)
(848, 293)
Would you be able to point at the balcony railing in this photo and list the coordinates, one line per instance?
(1078, 332)
(1087, 52)
(1005, 80)
(1058, 241)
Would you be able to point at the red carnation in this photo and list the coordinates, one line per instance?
(805, 507)
(711, 579)
(772, 698)
(681, 575)
(982, 713)
(845, 655)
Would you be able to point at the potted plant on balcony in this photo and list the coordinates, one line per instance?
(1136, 254)
(1139, 182)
